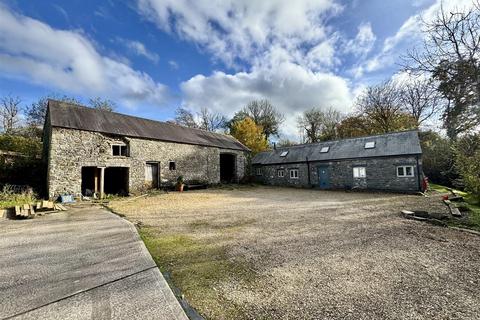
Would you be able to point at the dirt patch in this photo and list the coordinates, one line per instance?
(281, 253)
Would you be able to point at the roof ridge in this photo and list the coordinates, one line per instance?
(146, 119)
(344, 139)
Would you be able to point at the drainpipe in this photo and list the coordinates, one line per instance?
(308, 171)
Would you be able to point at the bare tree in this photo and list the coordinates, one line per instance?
(102, 104)
(9, 113)
(185, 118)
(263, 114)
(420, 99)
(381, 104)
(450, 55)
(211, 121)
(205, 119)
(318, 125)
(37, 110)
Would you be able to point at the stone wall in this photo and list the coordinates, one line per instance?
(381, 174)
(70, 150)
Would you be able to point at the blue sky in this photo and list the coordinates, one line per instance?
(151, 56)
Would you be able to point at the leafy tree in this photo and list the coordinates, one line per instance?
(9, 113)
(467, 161)
(102, 104)
(250, 134)
(319, 125)
(264, 114)
(438, 158)
(450, 55)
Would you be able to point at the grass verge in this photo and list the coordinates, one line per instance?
(470, 204)
(9, 198)
(198, 268)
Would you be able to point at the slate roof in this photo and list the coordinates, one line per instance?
(391, 144)
(72, 116)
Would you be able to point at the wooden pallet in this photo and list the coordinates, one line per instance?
(39, 208)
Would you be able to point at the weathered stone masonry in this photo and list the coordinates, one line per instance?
(69, 150)
(380, 174)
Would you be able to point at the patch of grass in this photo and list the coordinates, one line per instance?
(10, 198)
(472, 206)
(197, 268)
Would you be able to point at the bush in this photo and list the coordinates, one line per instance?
(467, 162)
(11, 196)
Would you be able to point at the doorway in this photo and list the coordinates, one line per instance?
(151, 175)
(116, 181)
(323, 177)
(227, 167)
(90, 180)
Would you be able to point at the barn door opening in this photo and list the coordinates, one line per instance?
(151, 175)
(116, 181)
(227, 168)
(90, 180)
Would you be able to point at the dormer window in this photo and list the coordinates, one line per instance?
(284, 154)
(119, 150)
(324, 149)
(370, 145)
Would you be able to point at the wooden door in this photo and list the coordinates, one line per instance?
(151, 175)
(324, 177)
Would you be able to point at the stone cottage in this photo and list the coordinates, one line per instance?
(88, 150)
(382, 162)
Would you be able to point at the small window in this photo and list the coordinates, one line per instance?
(119, 150)
(281, 173)
(293, 173)
(259, 171)
(359, 172)
(172, 166)
(370, 145)
(405, 171)
(324, 149)
(284, 154)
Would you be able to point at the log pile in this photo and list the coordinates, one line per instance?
(39, 208)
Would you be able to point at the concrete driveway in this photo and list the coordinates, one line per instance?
(86, 263)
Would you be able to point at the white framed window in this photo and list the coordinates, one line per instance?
(405, 171)
(370, 145)
(119, 150)
(259, 171)
(284, 154)
(324, 149)
(359, 172)
(293, 173)
(281, 173)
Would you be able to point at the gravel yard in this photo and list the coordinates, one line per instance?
(282, 253)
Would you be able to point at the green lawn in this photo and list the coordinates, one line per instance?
(472, 221)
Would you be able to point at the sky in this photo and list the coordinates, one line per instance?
(152, 56)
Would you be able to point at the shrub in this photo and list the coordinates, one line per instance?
(467, 162)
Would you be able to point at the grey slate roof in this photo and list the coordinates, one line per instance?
(67, 115)
(391, 144)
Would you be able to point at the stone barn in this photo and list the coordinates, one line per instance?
(89, 150)
(383, 162)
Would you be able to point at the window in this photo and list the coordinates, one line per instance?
(259, 171)
(359, 172)
(324, 149)
(370, 145)
(119, 150)
(293, 173)
(281, 173)
(405, 171)
(284, 154)
(172, 166)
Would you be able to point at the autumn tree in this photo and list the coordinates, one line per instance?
(450, 55)
(264, 114)
(250, 134)
(9, 113)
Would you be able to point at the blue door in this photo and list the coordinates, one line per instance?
(323, 177)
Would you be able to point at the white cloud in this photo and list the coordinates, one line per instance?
(67, 60)
(139, 49)
(173, 64)
(363, 43)
(291, 88)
